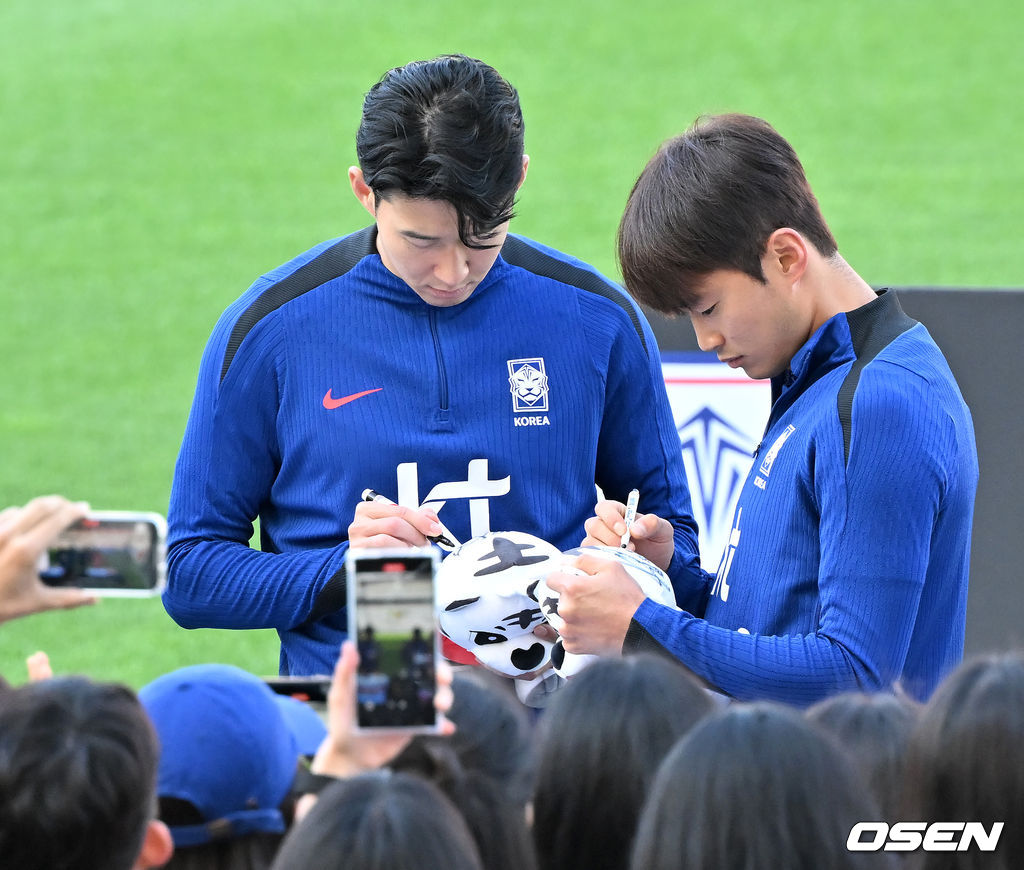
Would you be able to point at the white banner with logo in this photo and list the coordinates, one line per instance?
(720, 415)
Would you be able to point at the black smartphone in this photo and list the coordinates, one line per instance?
(391, 616)
(110, 553)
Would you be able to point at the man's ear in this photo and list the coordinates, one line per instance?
(786, 255)
(157, 846)
(362, 190)
(526, 165)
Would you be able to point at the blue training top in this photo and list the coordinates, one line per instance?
(848, 560)
(330, 376)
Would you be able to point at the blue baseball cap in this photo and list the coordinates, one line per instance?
(225, 747)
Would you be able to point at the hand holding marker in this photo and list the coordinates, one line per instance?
(446, 540)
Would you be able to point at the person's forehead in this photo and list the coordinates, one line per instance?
(715, 283)
(418, 216)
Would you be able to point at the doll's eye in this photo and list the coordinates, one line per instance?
(483, 638)
(524, 618)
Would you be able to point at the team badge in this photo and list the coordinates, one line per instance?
(529, 385)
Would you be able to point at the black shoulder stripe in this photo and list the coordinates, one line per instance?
(516, 252)
(330, 263)
(872, 327)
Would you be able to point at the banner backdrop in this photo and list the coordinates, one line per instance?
(720, 415)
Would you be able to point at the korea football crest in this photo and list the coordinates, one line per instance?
(528, 383)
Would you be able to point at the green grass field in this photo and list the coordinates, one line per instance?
(157, 157)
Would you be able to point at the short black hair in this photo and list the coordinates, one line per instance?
(448, 129)
(875, 728)
(380, 821)
(709, 199)
(964, 758)
(601, 740)
(78, 767)
(755, 785)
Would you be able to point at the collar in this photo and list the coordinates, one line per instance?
(842, 338)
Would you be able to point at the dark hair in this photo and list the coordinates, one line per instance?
(484, 767)
(496, 821)
(874, 728)
(448, 129)
(493, 734)
(380, 821)
(602, 739)
(78, 766)
(966, 759)
(754, 785)
(709, 200)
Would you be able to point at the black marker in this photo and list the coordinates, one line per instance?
(446, 540)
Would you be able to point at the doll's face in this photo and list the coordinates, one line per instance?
(484, 601)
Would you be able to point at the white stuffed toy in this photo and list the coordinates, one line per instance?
(492, 594)
(484, 606)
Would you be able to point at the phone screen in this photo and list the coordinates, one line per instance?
(392, 618)
(111, 552)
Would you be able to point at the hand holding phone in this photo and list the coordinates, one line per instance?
(25, 533)
(109, 553)
(391, 613)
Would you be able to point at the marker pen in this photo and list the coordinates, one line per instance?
(631, 503)
(446, 540)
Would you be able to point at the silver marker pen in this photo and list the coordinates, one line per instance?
(446, 540)
(631, 504)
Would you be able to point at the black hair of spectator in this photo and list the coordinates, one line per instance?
(601, 740)
(380, 821)
(496, 820)
(78, 766)
(965, 761)
(875, 729)
(755, 785)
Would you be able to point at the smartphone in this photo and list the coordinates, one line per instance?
(392, 617)
(110, 553)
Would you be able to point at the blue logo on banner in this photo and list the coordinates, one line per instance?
(717, 456)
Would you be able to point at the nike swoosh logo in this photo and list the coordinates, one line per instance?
(330, 403)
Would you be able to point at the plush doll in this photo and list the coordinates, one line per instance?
(492, 595)
(484, 606)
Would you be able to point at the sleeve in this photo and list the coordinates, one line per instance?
(224, 474)
(877, 514)
(638, 447)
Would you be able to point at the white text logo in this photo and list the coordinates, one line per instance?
(934, 837)
(477, 488)
(721, 587)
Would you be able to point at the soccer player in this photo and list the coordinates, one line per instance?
(848, 559)
(458, 370)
